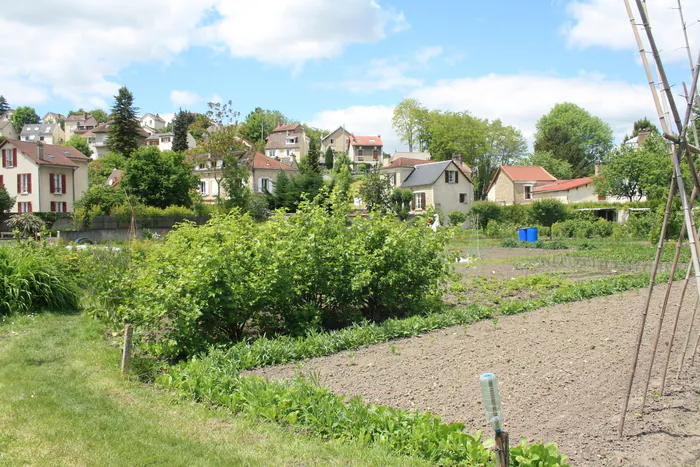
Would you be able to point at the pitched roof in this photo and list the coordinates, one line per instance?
(290, 127)
(425, 174)
(261, 161)
(38, 129)
(563, 185)
(156, 136)
(79, 117)
(104, 128)
(525, 173)
(115, 177)
(366, 140)
(342, 128)
(53, 114)
(278, 140)
(155, 117)
(53, 155)
(405, 162)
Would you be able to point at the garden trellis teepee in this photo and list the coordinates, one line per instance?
(680, 132)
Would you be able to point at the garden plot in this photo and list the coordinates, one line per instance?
(562, 369)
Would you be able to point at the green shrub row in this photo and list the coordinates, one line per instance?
(33, 278)
(304, 405)
(219, 283)
(583, 228)
(539, 244)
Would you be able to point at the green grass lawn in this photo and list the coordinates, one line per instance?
(62, 403)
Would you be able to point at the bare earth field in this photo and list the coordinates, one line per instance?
(562, 370)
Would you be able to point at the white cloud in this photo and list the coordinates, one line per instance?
(186, 98)
(379, 75)
(520, 100)
(167, 116)
(606, 23)
(425, 54)
(362, 120)
(215, 98)
(75, 49)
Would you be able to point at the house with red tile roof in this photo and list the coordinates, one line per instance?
(287, 141)
(516, 184)
(263, 173)
(43, 177)
(366, 149)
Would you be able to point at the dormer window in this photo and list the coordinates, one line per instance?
(292, 140)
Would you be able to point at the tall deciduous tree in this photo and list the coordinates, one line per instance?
(124, 129)
(4, 106)
(181, 123)
(557, 167)
(574, 135)
(376, 191)
(99, 115)
(79, 143)
(158, 178)
(24, 116)
(407, 120)
(259, 124)
(633, 172)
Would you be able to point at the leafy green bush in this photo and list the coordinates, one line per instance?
(620, 231)
(457, 218)
(34, 279)
(603, 228)
(510, 243)
(485, 211)
(291, 275)
(26, 225)
(548, 211)
(537, 455)
(556, 245)
(516, 214)
(640, 223)
(584, 246)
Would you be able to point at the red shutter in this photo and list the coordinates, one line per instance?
(14, 157)
(422, 200)
(19, 208)
(2, 181)
(65, 206)
(30, 206)
(19, 183)
(63, 183)
(52, 184)
(29, 183)
(457, 176)
(53, 206)
(4, 163)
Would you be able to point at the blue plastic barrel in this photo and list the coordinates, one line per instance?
(532, 234)
(522, 235)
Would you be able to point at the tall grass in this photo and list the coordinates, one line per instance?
(32, 279)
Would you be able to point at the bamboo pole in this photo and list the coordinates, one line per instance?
(664, 306)
(645, 309)
(688, 336)
(674, 327)
(689, 97)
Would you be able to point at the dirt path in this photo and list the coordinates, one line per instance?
(562, 371)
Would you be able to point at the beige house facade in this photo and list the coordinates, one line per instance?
(76, 124)
(287, 141)
(516, 184)
(43, 177)
(262, 178)
(577, 190)
(366, 150)
(338, 141)
(47, 133)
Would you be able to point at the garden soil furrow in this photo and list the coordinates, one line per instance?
(562, 369)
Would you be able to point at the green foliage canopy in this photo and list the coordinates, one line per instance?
(79, 143)
(559, 168)
(6, 201)
(23, 116)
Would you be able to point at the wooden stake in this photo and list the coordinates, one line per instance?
(645, 309)
(687, 337)
(502, 449)
(126, 353)
(690, 62)
(675, 326)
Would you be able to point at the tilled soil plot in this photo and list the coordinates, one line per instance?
(562, 370)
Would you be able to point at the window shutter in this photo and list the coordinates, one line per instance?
(457, 176)
(260, 188)
(270, 185)
(52, 183)
(30, 207)
(447, 176)
(2, 181)
(63, 183)
(14, 157)
(53, 206)
(422, 200)
(4, 163)
(413, 202)
(65, 206)
(29, 183)
(19, 183)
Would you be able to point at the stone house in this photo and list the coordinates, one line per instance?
(516, 184)
(338, 141)
(366, 150)
(43, 177)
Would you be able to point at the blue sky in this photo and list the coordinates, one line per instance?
(329, 63)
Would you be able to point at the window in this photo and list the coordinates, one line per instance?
(57, 184)
(375, 154)
(9, 158)
(292, 140)
(219, 163)
(528, 191)
(203, 188)
(165, 139)
(360, 154)
(48, 130)
(419, 201)
(202, 166)
(271, 153)
(332, 141)
(392, 179)
(24, 184)
(451, 176)
(463, 198)
(265, 185)
(59, 206)
(41, 138)
(24, 206)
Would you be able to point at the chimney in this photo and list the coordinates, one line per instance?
(40, 150)
(597, 170)
(457, 158)
(642, 136)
